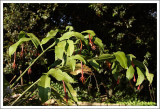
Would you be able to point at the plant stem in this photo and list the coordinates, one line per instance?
(25, 92)
(32, 64)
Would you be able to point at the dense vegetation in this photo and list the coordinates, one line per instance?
(111, 29)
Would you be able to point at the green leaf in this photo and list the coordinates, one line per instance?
(70, 28)
(121, 58)
(140, 76)
(91, 32)
(79, 57)
(34, 39)
(138, 64)
(21, 34)
(115, 70)
(149, 75)
(49, 36)
(59, 75)
(59, 50)
(72, 92)
(71, 62)
(13, 47)
(131, 56)
(130, 72)
(94, 64)
(44, 88)
(78, 35)
(56, 62)
(52, 33)
(105, 56)
(98, 42)
(70, 49)
(67, 35)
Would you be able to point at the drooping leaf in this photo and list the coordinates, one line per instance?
(121, 58)
(59, 50)
(49, 36)
(130, 72)
(72, 92)
(56, 62)
(70, 48)
(131, 56)
(59, 75)
(94, 64)
(149, 75)
(13, 47)
(34, 39)
(91, 32)
(105, 56)
(79, 57)
(98, 42)
(67, 35)
(138, 64)
(44, 88)
(70, 28)
(78, 35)
(140, 76)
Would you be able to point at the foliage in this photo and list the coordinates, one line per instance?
(61, 71)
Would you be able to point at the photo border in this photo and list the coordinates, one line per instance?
(80, 1)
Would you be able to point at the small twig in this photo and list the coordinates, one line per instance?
(12, 79)
(21, 78)
(150, 92)
(153, 94)
(96, 82)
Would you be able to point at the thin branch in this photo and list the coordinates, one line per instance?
(25, 92)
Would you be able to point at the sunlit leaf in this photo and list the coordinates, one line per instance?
(34, 39)
(98, 42)
(94, 64)
(49, 36)
(59, 50)
(59, 75)
(71, 62)
(131, 56)
(44, 88)
(91, 32)
(79, 57)
(70, 28)
(105, 56)
(130, 72)
(13, 47)
(70, 48)
(72, 92)
(121, 58)
(140, 76)
(67, 35)
(149, 75)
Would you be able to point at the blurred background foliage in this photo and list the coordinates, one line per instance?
(131, 28)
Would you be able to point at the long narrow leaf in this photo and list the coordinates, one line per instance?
(59, 75)
(13, 47)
